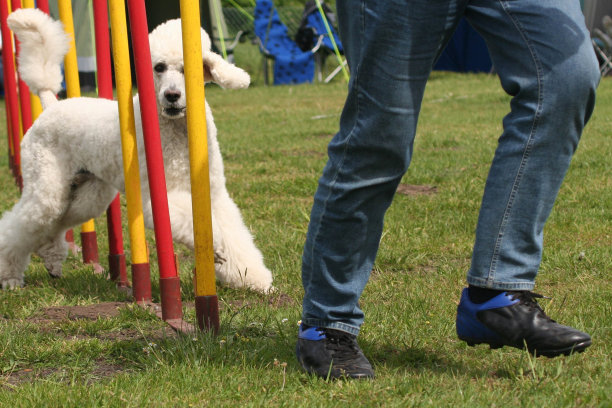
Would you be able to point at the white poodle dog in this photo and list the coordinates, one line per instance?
(72, 164)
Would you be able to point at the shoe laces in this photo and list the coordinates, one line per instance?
(528, 299)
(343, 346)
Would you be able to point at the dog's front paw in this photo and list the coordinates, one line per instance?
(261, 281)
(12, 283)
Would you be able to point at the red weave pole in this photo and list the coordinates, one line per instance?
(24, 91)
(169, 281)
(9, 139)
(103, 59)
(10, 90)
(116, 256)
(43, 5)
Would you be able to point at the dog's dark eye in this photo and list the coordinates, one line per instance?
(182, 69)
(161, 67)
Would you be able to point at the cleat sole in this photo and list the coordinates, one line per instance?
(576, 348)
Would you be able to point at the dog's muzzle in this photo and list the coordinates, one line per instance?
(173, 111)
(170, 105)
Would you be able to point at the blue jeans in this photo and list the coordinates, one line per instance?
(542, 53)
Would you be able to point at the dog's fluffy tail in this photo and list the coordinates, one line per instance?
(43, 44)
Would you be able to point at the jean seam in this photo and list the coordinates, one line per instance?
(528, 145)
(346, 146)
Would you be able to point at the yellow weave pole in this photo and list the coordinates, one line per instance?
(34, 99)
(207, 309)
(35, 106)
(73, 90)
(141, 278)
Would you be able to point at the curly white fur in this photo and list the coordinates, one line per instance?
(72, 165)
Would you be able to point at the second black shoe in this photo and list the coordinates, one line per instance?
(330, 353)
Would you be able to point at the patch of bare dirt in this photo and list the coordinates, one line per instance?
(49, 317)
(12, 379)
(89, 312)
(101, 370)
(415, 190)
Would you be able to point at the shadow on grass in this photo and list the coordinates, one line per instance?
(420, 360)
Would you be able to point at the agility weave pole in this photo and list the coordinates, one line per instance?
(35, 106)
(116, 256)
(141, 275)
(30, 109)
(170, 287)
(89, 242)
(342, 63)
(171, 308)
(10, 94)
(25, 106)
(206, 301)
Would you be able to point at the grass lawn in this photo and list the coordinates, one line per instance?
(79, 342)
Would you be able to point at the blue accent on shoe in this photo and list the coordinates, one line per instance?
(311, 333)
(469, 328)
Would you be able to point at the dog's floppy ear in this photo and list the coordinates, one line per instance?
(227, 75)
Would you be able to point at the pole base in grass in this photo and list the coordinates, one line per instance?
(19, 181)
(178, 325)
(141, 282)
(89, 244)
(170, 292)
(117, 270)
(74, 248)
(207, 312)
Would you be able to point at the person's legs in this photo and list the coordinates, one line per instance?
(543, 55)
(390, 47)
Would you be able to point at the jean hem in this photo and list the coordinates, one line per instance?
(332, 325)
(485, 283)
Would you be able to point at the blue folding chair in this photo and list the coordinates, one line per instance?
(313, 28)
(314, 20)
(291, 64)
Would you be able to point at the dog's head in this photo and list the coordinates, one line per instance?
(166, 45)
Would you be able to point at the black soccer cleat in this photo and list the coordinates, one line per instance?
(515, 319)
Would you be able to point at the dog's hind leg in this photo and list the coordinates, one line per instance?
(23, 229)
(53, 254)
(14, 250)
(36, 218)
(89, 198)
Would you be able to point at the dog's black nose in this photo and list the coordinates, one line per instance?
(172, 95)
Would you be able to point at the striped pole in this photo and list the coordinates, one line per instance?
(89, 243)
(141, 276)
(116, 256)
(35, 106)
(206, 302)
(43, 5)
(333, 41)
(10, 91)
(24, 92)
(169, 283)
(9, 133)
